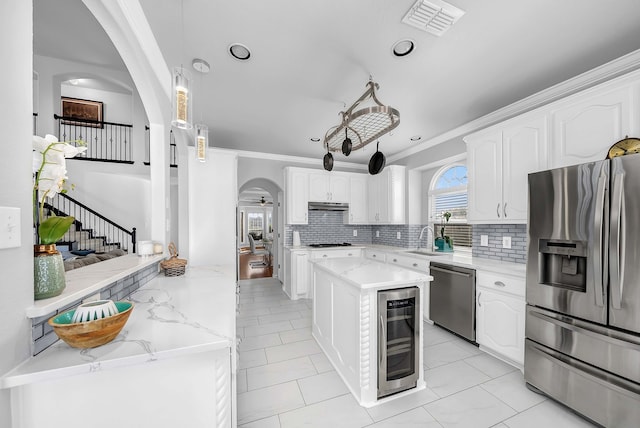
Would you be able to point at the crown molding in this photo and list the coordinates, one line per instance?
(610, 70)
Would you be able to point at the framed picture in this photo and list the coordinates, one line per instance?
(87, 111)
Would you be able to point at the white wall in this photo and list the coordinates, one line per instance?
(212, 198)
(16, 264)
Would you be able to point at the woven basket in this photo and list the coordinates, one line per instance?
(173, 266)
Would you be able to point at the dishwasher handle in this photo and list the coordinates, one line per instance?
(453, 272)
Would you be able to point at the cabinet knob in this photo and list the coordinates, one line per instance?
(350, 254)
(324, 255)
(415, 265)
(500, 284)
(374, 256)
(395, 260)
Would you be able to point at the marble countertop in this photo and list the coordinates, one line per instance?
(81, 283)
(369, 274)
(173, 316)
(458, 258)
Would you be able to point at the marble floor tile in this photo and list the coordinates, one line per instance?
(401, 404)
(296, 335)
(471, 408)
(259, 330)
(489, 365)
(444, 353)
(416, 418)
(434, 335)
(321, 362)
(253, 358)
(270, 401)
(548, 414)
(241, 381)
(293, 306)
(292, 350)
(303, 322)
(511, 389)
(284, 371)
(322, 387)
(257, 342)
(282, 316)
(339, 412)
(270, 422)
(454, 377)
(246, 321)
(250, 312)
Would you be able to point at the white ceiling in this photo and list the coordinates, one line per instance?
(311, 58)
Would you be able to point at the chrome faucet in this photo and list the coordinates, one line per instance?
(430, 241)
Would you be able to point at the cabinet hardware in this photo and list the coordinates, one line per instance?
(324, 255)
(498, 210)
(415, 265)
(479, 294)
(504, 210)
(374, 256)
(395, 260)
(500, 284)
(349, 254)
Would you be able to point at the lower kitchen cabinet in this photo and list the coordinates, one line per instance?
(500, 318)
(296, 276)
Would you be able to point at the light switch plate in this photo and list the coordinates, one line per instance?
(398, 235)
(9, 227)
(506, 242)
(355, 232)
(484, 240)
(377, 233)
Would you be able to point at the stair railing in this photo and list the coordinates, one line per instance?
(106, 141)
(91, 230)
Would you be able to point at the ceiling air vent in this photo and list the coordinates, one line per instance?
(433, 16)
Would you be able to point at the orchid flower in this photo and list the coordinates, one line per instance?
(49, 167)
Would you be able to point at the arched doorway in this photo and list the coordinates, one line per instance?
(258, 229)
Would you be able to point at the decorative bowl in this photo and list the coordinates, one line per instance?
(91, 333)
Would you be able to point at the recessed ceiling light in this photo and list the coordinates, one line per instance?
(416, 138)
(403, 47)
(315, 139)
(239, 51)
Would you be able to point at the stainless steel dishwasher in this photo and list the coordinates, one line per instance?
(452, 302)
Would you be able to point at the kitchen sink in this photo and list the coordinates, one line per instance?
(427, 253)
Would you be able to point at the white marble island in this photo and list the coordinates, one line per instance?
(172, 365)
(345, 319)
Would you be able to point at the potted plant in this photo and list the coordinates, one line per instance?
(50, 174)
(444, 243)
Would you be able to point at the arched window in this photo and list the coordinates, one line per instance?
(448, 193)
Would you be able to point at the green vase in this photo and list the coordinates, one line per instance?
(48, 272)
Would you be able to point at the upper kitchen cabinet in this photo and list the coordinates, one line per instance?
(587, 124)
(296, 182)
(327, 186)
(358, 213)
(386, 194)
(499, 161)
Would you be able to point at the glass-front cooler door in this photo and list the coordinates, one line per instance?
(398, 335)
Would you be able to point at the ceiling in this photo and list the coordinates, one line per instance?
(310, 59)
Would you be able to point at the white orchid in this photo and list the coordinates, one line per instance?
(49, 167)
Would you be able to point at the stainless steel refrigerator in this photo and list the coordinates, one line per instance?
(583, 289)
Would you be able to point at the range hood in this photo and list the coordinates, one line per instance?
(328, 206)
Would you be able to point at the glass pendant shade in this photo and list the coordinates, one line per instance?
(202, 142)
(181, 99)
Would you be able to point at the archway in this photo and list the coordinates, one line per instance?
(259, 219)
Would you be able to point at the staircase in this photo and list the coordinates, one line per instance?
(90, 230)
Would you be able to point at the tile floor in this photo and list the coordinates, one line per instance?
(284, 379)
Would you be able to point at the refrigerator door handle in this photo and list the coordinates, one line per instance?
(617, 238)
(599, 274)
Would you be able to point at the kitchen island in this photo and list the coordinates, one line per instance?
(172, 365)
(345, 320)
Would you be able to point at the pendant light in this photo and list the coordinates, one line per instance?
(181, 99)
(202, 130)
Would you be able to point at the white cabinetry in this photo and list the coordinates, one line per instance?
(499, 161)
(296, 276)
(296, 195)
(587, 124)
(386, 196)
(500, 315)
(357, 199)
(327, 186)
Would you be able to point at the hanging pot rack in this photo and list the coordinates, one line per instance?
(365, 125)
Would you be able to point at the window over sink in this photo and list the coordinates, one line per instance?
(448, 193)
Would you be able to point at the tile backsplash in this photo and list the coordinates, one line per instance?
(328, 227)
(518, 233)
